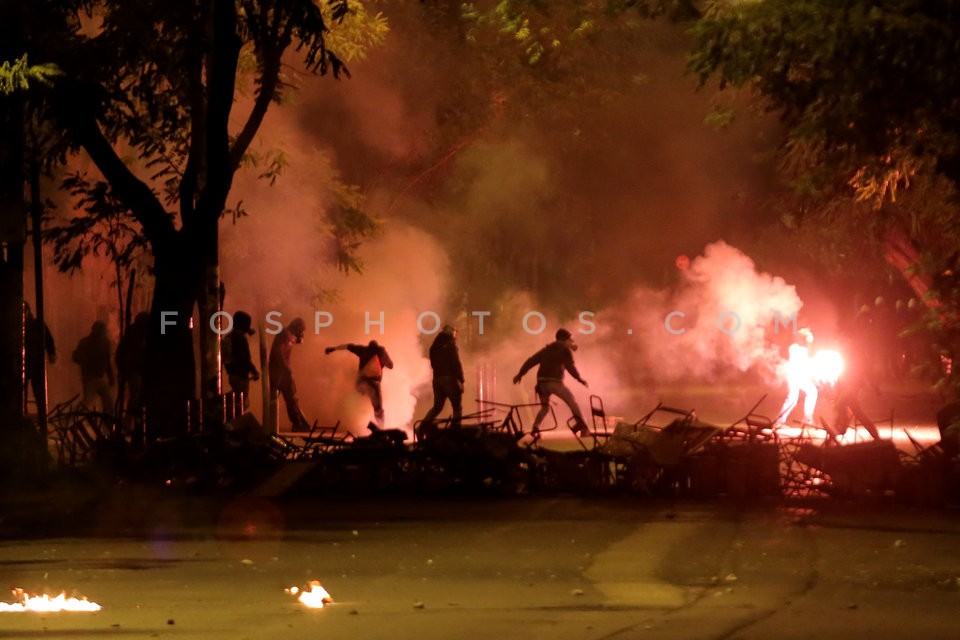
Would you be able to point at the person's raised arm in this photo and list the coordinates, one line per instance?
(527, 365)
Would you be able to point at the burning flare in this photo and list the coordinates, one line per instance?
(826, 366)
(314, 596)
(44, 603)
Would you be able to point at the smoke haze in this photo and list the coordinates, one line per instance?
(495, 199)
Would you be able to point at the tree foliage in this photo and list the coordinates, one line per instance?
(166, 97)
(869, 94)
(20, 74)
(868, 87)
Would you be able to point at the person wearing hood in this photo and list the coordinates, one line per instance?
(96, 368)
(236, 356)
(281, 371)
(447, 376)
(553, 360)
(373, 360)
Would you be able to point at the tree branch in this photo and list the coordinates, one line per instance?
(269, 81)
(221, 80)
(189, 181)
(135, 194)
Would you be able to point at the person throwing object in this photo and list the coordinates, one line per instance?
(553, 360)
(373, 360)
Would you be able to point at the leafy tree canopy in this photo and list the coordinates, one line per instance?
(869, 93)
(870, 88)
(18, 76)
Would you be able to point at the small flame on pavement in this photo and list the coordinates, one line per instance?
(314, 596)
(46, 604)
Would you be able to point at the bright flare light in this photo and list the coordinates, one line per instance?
(314, 596)
(46, 604)
(826, 366)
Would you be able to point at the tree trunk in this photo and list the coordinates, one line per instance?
(217, 176)
(12, 238)
(22, 451)
(169, 378)
(901, 254)
(209, 304)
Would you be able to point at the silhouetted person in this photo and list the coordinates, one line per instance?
(447, 376)
(799, 378)
(236, 356)
(553, 360)
(281, 374)
(38, 342)
(373, 360)
(855, 377)
(96, 371)
(130, 360)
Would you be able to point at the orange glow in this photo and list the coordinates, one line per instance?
(826, 366)
(314, 596)
(44, 603)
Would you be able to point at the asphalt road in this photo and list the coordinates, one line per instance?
(498, 569)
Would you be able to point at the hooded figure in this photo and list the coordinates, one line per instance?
(96, 371)
(373, 360)
(553, 360)
(447, 376)
(236, 356)
(281, 373)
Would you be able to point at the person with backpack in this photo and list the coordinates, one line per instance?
(373, 360)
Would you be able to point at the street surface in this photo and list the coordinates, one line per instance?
(481, 568)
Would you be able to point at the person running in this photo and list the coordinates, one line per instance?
(373, 360)
(553, 360)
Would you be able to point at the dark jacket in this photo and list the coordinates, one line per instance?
(280, 354)
(445, 357)
(365, 352)
(93, 356)
(237, 360)
(553, 360)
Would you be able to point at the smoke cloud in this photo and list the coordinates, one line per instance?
(493, 201)
(722, 317)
